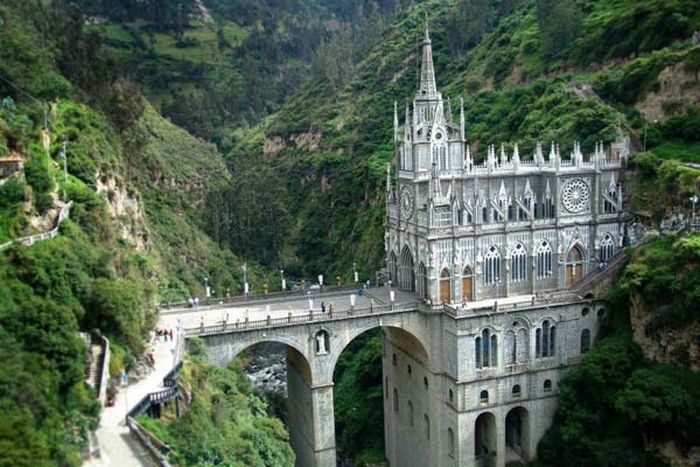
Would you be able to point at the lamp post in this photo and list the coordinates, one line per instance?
(207, 290)
(245, 280)
(284, 282)
(354, 272)
(320, 282)
(694, 199)
(65, 169)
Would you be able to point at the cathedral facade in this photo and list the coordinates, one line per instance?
(495, 249)
(458, 231)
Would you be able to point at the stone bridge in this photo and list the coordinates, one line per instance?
(433, 379)
(314, 340)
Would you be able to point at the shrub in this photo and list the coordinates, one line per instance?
(11, 192)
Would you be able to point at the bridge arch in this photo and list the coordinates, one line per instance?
(223, 349)
(406, 339)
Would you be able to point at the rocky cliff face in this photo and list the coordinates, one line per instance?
(125, 207)
(675, 346)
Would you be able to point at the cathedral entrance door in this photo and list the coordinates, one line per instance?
(574, 266)
(445, 286)
(467, 285)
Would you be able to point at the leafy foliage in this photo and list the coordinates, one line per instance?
(360, 420)
(226, 423)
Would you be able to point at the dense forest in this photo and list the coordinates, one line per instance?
(202, 134)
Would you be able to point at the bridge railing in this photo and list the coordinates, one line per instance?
(293, 319)
(252, 299)
(536, 301)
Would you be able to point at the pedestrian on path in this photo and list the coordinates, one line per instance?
(323, 307)
(171, 334)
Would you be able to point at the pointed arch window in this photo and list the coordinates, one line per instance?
(492, 266)
(524, 214)
(610, 202)
(545, 338)
(518, 264)
(440, 156)
(544, 260)
(607, 248)
(486, 347)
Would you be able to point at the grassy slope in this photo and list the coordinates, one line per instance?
(335, 226)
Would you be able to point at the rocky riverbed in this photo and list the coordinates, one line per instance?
(267, 369)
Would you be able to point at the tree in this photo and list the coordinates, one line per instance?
(559, 22)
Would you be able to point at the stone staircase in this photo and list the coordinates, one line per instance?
(97, 357)
(601, 276)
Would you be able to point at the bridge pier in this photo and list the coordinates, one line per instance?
(311, 417)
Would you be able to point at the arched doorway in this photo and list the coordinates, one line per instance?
(574, 266)
(445, 283)
(517, 437)
(467, 293)
(393, 271)
(422, 281)
(406, 274)
(485, 440)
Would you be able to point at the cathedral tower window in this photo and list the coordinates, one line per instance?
(396, 400)
(492, 266)
(518, 266)
(544, 260)
(607, 248)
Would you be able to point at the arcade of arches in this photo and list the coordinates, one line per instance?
(305, 411)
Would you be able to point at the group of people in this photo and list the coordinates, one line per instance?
(165, 334)
(323, 307)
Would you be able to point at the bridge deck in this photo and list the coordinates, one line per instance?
(297, 308)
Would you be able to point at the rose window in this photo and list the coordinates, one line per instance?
(575, 195)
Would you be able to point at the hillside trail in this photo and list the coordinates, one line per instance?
(116, 445)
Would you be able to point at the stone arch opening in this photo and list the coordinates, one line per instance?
(485, 439)
(407, 279)
(517, 436)
(280, 367)
(391, 420)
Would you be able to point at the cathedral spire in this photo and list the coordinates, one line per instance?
(396, 122)
(427, 72)
(461, 118)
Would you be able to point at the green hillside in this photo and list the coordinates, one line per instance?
(213, 65)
